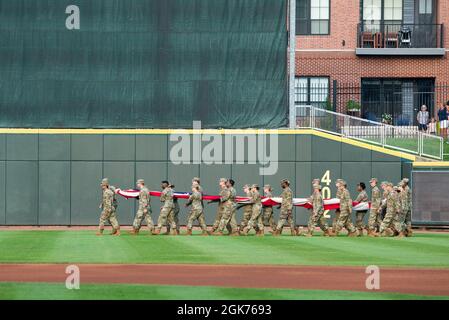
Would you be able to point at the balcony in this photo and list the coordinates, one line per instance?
(400, 39)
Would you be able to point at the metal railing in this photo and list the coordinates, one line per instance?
(405, 139)
(399, 35)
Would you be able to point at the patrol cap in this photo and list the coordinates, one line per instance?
(140, 181)
(267, 186)
(384, 183)
(317, 186)
(246, 186)
(343, 182)
(374, 180)
(165, 181)
(196, 179)
(316, 181)
(255, 185)
(105, 181)
(405, 180)
(396, 188)
(285, 181)
(223, 180)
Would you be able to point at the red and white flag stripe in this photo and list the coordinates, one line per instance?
(329, 204)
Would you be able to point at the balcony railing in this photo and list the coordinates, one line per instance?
(398, 37)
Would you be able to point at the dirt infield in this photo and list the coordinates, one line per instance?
(398, 280)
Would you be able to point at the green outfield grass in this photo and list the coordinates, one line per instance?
(422, 250)
(51, 291)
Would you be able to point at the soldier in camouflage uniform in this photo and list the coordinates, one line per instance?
(196, 213)
(344, 220)
(108, 214)
(337, 211)
(286, 209)
(360, 215)
(144, 210)
(255, 220)
(408, 207)
(376, 200)
(268, 218)
(247, 209)
(173, 219)
(399, 220)
(316, 218)
(166, 213)
(226, 205)
(232, 226)
(218, 215)
(391, 206)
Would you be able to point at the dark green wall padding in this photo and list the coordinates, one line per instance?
(54, 179)
(143, 64)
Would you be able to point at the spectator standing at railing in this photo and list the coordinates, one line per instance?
(423, 118)
(443, 118)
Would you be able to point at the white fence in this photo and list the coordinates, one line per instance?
(406, 139)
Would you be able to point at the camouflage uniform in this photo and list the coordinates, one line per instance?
(144, 210)
(286, 209)
(174, 218)
(408, 208)
(166, 214)
(344, 220)
(399, 219)
(391, 205)
(376, 200)
(256, 201)
(226, 211)
(196, 213)
(220, 209)
(108, 214)
(247, 211)
(268, 218)
(233, 226)
(316, 218)
(360, 215)
(114, 200)
(337, 211)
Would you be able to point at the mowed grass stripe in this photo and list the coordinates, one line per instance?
(423, 250)
(57, 291)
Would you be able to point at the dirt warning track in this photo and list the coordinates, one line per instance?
(400, 280)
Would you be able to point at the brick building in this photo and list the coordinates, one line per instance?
(386, 56)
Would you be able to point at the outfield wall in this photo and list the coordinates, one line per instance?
(53, 178)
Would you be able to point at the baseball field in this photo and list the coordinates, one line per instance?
(33, 264)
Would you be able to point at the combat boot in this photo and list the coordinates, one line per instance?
(372, 234)
(329, 233)
(217, 233)
(360, 233)
(116, 233)
(409, 232)
(353, 234)
(276, 233)
(236, 233)
(293, 232)
(133, 232)
(260, 233)
(308, 234)
(156, 232)
(205, 233)
(189, 232)
(401, 234)
(173, 232)
(100, 232)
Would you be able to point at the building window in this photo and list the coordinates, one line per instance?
(312, 91)
(425, 6)
(312, 17)
(380, 12)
